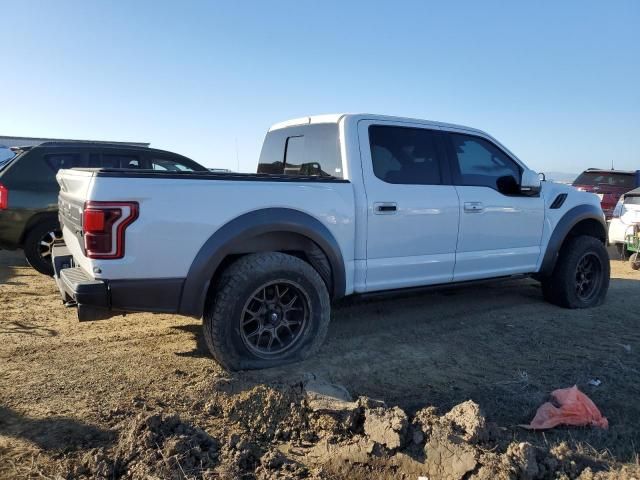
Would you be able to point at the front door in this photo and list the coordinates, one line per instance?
(413, 210)
(500, 229)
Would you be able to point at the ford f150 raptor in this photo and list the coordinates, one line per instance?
(341, 204)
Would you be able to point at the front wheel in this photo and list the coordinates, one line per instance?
(268, 309)
(581, 276)
(38, 245)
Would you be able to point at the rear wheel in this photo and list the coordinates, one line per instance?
(268, 309)
(634, 261)
(581, 276)
(38, 245)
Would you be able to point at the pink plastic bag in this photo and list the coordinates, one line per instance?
(574, 408)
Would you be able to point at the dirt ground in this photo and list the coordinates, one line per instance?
(139, 396)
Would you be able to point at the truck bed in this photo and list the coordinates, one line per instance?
(180, 211)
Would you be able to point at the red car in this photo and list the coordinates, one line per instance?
(609, 185)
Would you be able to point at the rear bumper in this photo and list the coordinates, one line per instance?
(97, 299)
(77, 288)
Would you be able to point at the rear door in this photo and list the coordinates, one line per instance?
(412, 209)
(500, 229)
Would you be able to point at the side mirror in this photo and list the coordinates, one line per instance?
(530, 183)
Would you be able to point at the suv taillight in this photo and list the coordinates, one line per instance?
(4, 197)
(103, 227)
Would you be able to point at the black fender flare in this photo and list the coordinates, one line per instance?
(568, 221)
(246, 227)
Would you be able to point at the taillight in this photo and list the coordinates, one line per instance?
(4, 197)
(104, 225)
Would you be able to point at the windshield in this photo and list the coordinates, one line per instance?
(621, 180)
(632, 200)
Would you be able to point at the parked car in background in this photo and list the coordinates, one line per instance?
(29, 191)
(625, 221)
(609, 185)
(341, 205)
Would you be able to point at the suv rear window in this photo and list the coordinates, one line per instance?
(120, 161)
(62, 160)
(169, 165)
(622, 180)
(6, 156)
(632, 200)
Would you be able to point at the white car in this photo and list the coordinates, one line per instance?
(626, 218)
(341, 204)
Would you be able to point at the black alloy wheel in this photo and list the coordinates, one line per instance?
(274, 318)
(588, 276)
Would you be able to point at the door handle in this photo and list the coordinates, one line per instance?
(385, 208)
(473, 207)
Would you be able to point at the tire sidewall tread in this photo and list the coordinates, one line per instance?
(221, 318)
(32, 243)
(559, 289)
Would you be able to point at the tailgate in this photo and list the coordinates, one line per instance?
(74, 190)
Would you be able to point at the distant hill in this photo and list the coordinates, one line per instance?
(561, 177)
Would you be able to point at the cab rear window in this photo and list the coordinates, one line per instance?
(622, 180)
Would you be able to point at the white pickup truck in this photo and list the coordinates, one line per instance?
(341, 205)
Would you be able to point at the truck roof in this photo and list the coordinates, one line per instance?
(337, 117)
(609, 170)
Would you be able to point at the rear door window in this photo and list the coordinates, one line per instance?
(403, 155)
(56, 161)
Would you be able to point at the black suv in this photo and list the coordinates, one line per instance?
(29, 191)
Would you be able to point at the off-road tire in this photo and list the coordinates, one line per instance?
(32, 245)
(226, 308)
(634, 261)
(560, 288)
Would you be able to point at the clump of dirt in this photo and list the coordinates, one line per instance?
(386, 426)
(332, 413)
(267, 412)
(163, 445)
(156, 445)
(461, 444)
(316, 430)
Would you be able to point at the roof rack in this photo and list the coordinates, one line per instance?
(65, 143)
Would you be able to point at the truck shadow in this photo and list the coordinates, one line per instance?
(10, 265)
(53, 433)
(200, 349)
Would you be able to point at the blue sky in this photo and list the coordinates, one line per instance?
(557, 82)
